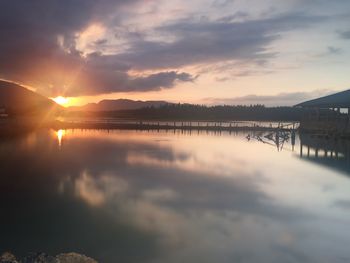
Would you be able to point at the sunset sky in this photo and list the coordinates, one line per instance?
(200, 51)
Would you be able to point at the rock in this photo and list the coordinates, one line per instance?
(39, 258)
(45, 258)
(7, 257)
(74, 258)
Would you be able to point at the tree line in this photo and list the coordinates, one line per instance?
(203, 112)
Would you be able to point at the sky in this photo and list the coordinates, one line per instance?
(200, 51)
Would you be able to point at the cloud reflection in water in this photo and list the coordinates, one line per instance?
(133, 197)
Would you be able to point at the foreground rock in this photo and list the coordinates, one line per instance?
(8, 258)
(45, 258)
(39, 258)
(74, 258)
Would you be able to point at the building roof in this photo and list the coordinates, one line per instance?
(337, 100)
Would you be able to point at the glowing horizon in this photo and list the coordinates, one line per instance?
(61, 101)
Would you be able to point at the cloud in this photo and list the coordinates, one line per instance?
(344, 34)
(334, 50)
(40, 48)
(344, 204)
(208, 41)
(109, 81)
(71, 47)
(330, 51)
(222, 3)
(281, 99)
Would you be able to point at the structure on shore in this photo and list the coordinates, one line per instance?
(328, 115)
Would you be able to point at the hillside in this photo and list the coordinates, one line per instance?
(18, 100)
(191, 112)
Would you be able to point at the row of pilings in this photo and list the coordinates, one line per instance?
(144, 125)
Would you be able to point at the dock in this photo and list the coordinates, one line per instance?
(328, 116)
(177, 125)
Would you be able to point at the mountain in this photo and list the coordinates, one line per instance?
(18, 100)
(119, 104)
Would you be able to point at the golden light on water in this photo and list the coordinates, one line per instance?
(61, 100)
(60, 134)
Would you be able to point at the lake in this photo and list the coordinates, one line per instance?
(148, 196)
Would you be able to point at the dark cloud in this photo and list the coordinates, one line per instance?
(31, 29)
(345, 34)
(237, 15)
(94, 81)
(206, 41)
(101, 42)
(38, 48)
(344, 204)
(334, 50)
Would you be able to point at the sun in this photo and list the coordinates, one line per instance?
(61, 100)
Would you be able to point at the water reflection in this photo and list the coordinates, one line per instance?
(132, 196)
(327, 151)
(276, 138)
(330, 152)
(60, 134)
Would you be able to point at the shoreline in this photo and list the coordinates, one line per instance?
(15, 127)
(177, 124)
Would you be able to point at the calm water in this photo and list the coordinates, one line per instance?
(131, 196)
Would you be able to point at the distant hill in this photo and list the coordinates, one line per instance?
(190, 112)
(119, 104)
(18, 100)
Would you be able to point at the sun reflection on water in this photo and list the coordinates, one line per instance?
(60, 134)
